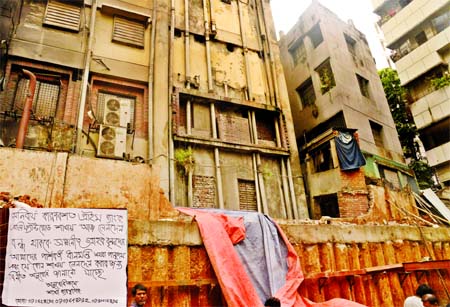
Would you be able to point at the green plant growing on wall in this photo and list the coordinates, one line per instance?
(438, 83)
(326, 80)
(184, 160)
(424, 173)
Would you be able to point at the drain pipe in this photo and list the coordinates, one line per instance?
(169, 130)
(23, 125)
(187, 57)
(291, 189)
(255, 166)
(217, 158)
(265, 208)
(245, 49)
(151, 93)
(263, 39)
(84, 86)
(271, 57)
(208, 47)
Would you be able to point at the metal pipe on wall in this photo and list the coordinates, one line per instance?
(263, 40)
(286, 208)
(292, 190)
(151, 72)
(271, 57)
(208, 47)
(170, 96)
(84, 85)
(262, 189)
(24, 120)
(188, 117)
(245, 50)
(217, 158)
(187, 45)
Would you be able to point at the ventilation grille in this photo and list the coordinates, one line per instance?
(63, 15)
(128, 32)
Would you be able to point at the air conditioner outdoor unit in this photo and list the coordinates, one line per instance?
(112, 142)
(117, 112)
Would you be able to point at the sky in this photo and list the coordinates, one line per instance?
(286, 13)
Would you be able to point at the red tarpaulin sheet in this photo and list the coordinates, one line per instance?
(219, 232)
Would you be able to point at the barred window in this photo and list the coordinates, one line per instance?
(45, 100)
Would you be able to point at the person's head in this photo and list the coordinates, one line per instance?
(139, 293)
(272, 302)
(430, 300)
(423, 289)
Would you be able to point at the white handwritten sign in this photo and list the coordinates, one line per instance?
(66, 257)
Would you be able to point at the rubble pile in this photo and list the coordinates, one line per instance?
(9, 201)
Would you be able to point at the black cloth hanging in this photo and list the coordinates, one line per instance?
(348, 151)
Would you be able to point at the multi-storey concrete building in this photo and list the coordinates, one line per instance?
(194, 88)
(418, 33)
(333, 83)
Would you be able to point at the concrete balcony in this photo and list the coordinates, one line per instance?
(423, 58)
(431, 108)
(410, 17)
(439, 155)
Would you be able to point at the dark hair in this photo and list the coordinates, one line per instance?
(138, 287)
(424, 289)
(272, 302)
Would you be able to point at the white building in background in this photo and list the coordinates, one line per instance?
(418, 33)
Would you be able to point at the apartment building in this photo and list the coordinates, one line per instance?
(418, 33)
(334, 87)
(192, 88)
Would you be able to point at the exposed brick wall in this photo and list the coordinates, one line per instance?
(247, 195)
(233, 128)
(353, 198)
(204, 191)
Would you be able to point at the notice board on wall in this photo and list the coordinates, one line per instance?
(66, 257)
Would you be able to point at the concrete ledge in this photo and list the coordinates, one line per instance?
(163, 233)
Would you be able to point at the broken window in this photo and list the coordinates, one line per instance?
(326, 76)
(62, 15)
(315, 35)
(247, 195)
(322, 158)
(377, 132)
(351, 46)
(298, 52)
(328, 205)
(363, 86)
(265, 126)
(128, 32)
(306, 93)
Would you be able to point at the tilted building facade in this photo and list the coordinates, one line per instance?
(333, 84)
(194, 88)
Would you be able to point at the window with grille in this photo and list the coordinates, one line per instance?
(62, 15)
(306, 93)
(45, 100)
(128, 32)
(363, 86)
(247, 195)
(115, 110)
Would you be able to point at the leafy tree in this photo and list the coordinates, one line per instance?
(406, 129)
(396, 97)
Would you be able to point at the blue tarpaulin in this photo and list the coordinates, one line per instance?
(349, 154)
